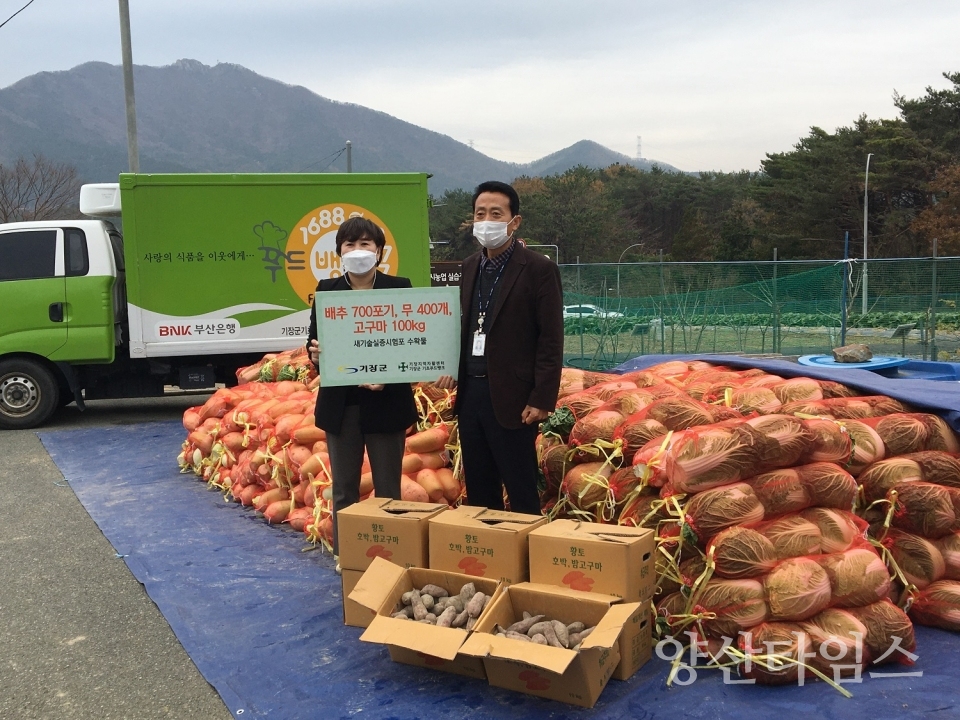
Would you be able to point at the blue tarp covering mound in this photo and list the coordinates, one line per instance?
(262, 619)
(935, 396)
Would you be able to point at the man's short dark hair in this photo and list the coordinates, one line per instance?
(495, 186)
(357, 228)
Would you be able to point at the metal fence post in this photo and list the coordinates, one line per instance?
(933, 305)
(663, 303)
(843, 296)
(776, 307)
(580, 314)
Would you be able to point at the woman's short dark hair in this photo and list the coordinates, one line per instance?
(495, 186)
(358, 228)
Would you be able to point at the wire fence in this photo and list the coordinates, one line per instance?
(615, 311)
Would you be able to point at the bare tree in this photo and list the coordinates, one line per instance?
(38, 190)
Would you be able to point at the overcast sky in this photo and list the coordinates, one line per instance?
(708, 84)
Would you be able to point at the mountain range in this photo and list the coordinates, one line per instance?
(193, 117)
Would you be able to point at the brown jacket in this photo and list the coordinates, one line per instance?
(524, 334)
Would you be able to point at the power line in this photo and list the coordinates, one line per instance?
(16, 13)
(336, 153)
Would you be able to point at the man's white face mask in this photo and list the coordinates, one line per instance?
(358, 262)
(490, 233)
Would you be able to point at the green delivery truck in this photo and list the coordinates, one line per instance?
(211, 272)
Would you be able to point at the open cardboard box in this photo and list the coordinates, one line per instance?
(392, 529)
(415, 643)
(482, 543)
(354, 614)
(576, 677)
(607, 559)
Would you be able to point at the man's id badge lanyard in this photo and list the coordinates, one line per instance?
(479, 337)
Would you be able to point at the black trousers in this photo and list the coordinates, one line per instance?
(385, 451)
(495, 457)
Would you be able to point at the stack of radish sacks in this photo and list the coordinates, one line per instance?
(258, 444)
(749, 480)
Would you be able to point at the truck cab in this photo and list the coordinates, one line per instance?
(62, 290)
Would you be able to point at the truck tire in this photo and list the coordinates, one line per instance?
(29, 393)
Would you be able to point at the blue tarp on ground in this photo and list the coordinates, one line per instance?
(262, 621)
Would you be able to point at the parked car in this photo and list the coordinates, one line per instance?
(588, 311)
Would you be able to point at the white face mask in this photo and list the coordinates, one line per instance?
(359, 262)
(490, 233)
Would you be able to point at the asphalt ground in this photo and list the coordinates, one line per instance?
(79, 637)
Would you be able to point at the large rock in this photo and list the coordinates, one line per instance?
(856, 353)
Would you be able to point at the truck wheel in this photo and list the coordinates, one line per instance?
(28, 393)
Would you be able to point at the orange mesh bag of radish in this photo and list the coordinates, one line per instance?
(938, 605)
(904, 433)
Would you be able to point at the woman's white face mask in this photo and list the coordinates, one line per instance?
(359, 262)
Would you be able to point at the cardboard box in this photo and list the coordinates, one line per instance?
(597, 558)
(482, 543)
(636, 642)
(354, 614)
(576, 677)
(604, 559)
(392, 529)
(413, 643)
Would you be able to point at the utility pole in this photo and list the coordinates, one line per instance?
(349, 156)
(133, 154)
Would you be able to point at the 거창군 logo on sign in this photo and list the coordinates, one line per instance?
(316, 235)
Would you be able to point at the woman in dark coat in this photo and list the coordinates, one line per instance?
(371, 416)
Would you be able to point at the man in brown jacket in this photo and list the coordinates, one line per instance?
(511, 354)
